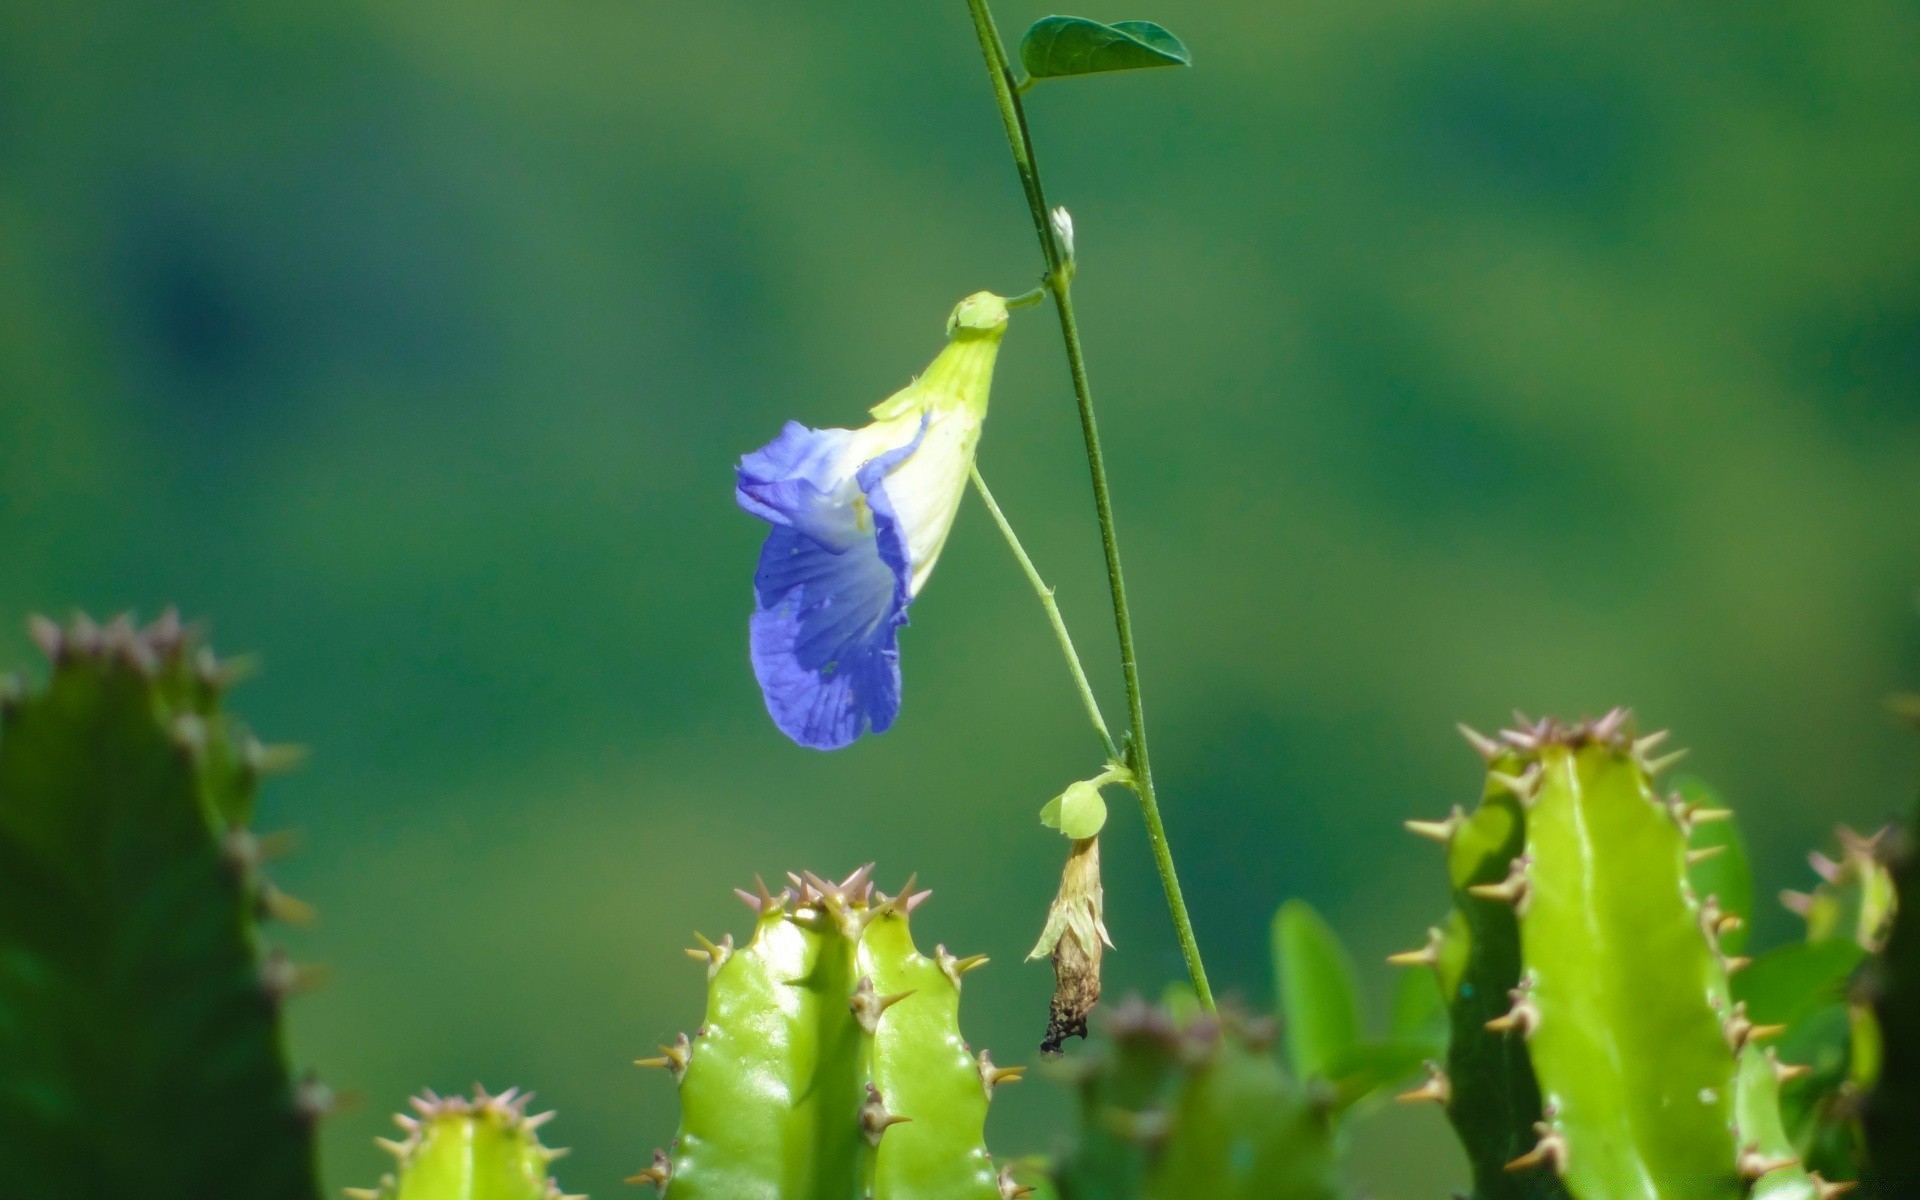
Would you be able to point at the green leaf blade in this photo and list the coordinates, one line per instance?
(1319, 1002)
(1058, 47)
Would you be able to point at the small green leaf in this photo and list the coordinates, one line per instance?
(1420, 1012)
(1079, 812)
(1368, 1069)
(1056, 47)
(1785, 983)
(1726, 876)
(1319, 1005)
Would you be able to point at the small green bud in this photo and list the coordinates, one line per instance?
(1079, 812)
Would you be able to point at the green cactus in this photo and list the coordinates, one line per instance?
(830, 1064)
(1323, 1034)
(1892, 1111)
(141, 1050)
(486, 1148)
(1195, 1110)
(1596, 1044)
(1805, 987)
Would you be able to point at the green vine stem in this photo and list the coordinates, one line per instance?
(1053, 615)
(1059, 281)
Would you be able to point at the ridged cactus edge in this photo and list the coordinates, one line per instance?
(1597, 1050)
(135, 996)
(830, 1064)
(456, 1148)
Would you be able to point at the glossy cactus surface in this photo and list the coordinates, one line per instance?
(483, 1148)
(140, 1020)
(830, 1063)
(1597, 1048)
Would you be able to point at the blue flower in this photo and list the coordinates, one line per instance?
(859, 517)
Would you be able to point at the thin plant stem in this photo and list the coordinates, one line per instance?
(1006, 93)
(1053, 614)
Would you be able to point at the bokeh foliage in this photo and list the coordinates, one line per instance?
(1451, 355)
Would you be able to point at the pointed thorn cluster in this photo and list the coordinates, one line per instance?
(992, 1076)
(1009, 1190)
(1702, 854)
(658, 1174)
(1654, 766)
(1523, 1016)
(1525, 786)
(1441, 831)
(47, 636)
(282, 978)
(1753, 1164)
(714, 956)
(1610, 727)
(1830, 1189)
(272, 904)
(765, 903)
(1786, 1072)
(262, 760)
(875, 1120)
(1550, 1150)
(1438, 1089)
(673, 1059)
(1426, 956)
(953, 968)
(868, 1007)
(1487, 748)
(1740, 1029)
(1511, 890)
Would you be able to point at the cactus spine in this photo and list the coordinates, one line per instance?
(1600, 975)
(830, 1065)
(486, 1148)
(140, 1036)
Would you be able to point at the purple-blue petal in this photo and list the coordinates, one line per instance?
(831, 592)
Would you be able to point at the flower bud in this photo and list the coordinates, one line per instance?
(1075, 937)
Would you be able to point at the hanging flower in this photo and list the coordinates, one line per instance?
(859, 517)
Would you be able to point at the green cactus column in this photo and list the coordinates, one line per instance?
(830, 1065)
(1892, 1115)
(1199, 1109)
(1597, 1047)
(486, 1148)
(140, 1036)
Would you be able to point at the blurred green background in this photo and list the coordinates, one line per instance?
(1452, 355)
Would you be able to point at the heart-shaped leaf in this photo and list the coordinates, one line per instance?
(1059, 46)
